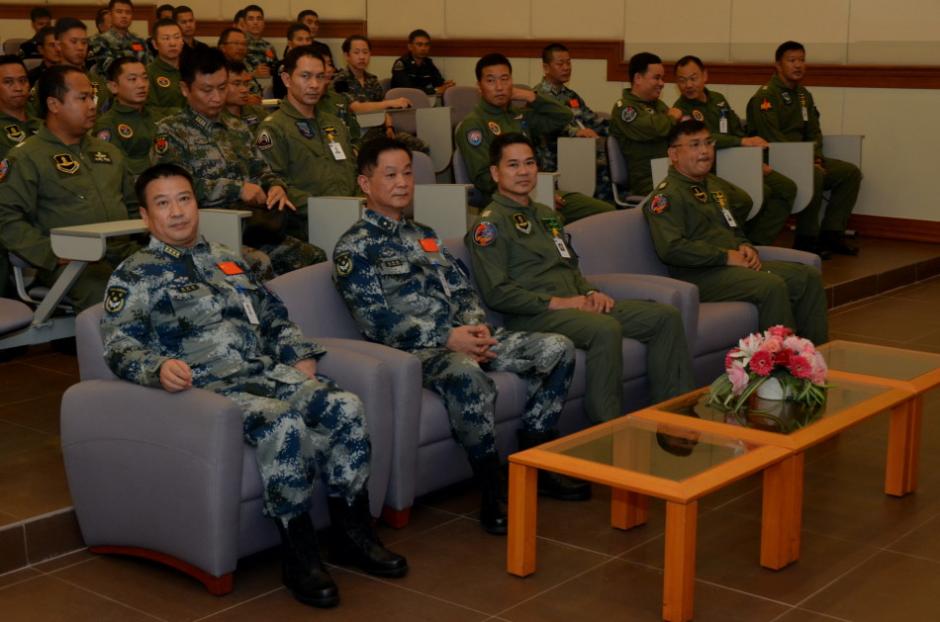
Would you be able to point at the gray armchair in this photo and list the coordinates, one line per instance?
(619, 242)
(168, 476)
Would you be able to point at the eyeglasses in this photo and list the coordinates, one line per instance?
(697, 144)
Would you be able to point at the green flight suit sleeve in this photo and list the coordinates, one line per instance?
(19, 194)
(670, 241)
(765, 123)
(644, 126)
(547, 117)
(476, 156)
(814, 130)
(129, 194)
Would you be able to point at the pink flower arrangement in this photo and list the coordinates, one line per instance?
(776, 355)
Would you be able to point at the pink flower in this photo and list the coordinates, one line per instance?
(782, 358)
(762, 363)
(780, 331)
(738, 377)
(729, 357)
(820, 369)
(801, 366)
(750, 344)
(772, 345)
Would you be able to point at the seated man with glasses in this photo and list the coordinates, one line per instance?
(696, 234)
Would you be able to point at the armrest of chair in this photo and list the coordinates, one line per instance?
(155, 470)
(662, 289)
(779, 253)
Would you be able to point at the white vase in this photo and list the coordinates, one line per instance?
(771, 389)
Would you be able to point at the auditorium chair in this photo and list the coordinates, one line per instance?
(619, 175)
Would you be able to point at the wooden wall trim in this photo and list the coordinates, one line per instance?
(338, 29)
(895, 228)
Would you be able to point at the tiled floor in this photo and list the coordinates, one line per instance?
(864, 556)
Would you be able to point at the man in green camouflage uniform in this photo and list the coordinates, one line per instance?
(165, 96)
(128, 124)
(62, 177)
(556, 64)
(495, 115)
(407, 291)
(784, 111)
(711, 108)
(526, 268)
(119, 41)
(304, 145)
(184, 313)
(262, 58)
(337, 104)
(238, 96)
(229, 170)
(698, 237)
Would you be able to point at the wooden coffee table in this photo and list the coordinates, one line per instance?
(638, 459)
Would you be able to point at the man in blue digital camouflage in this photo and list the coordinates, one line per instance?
(185, 313)
(407, 291)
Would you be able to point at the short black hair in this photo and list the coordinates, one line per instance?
(684, 128)
(689, 58)
(39, 12)
(323, 49)
(641, 61)
(253, 8)
(371, 150)
(788, 46)
(419, 32)
(295, 27)
(111, 3)
(223, 36)
(52, 84)
(489, 60)
(348, 41)
(502, 141)
(44, 32)
(205, 62)
(162, 8)
(117, 65)
(550, 49)
(239, 14)
(182, 9)
(162, 23)
(294, 56)
(99, 16)
(65, 24)
(155, 172)
(12, 59)
(235, 66)
(305, 13)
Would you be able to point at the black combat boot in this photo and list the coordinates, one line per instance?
(811, 244)
(302, 572)
(492, 502)
(554, 485)
(834, 241)
(353, 541)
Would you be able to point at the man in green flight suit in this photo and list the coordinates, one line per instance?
(305, 145)
(640, 121)
(16, 124)
(711, 108)
(495, 115)
(165, 96)
(783, 111)
(128, 124)
(526, 268)
(62, 177)
(697, 236)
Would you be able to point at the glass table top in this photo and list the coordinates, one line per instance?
(651, 448)
(880, 361)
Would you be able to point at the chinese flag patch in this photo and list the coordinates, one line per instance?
(429, 245)
(765, 105)
(230, 268)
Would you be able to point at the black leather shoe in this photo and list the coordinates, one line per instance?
(811, 245)
(834, 241)
(554, 485)
(353, 541)
(302, 572)
(493, 517)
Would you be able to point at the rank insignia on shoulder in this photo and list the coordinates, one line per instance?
(486, 213)
(163, 82)
(659, 204)
(161, 144)
(662, 184)
(115, 299)
(65, 163)
(475, 138)
(700, 195)
(697, 115)
(104, 135)
(230, 268)
(185, 289)
(484, 234)
(522, 223)
(14, 133)
(124, 130)
(100, 157)
(4, 169)
(494, 127)
(765, 105)
(343, 263)
(264, 141)
(628, 114)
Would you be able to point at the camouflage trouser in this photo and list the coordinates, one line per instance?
(544, 361)
(298, 430)
(292, 254)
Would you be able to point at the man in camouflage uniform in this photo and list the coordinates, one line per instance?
(262, 58)
(407, 291)
(119, 41)
(495, 115)
(783, 110)
(234, 44)
(184, 313)
(526, 268)
(556, 64)
(698, 237)
(711, 108)
(229, 170)
(16, 125)
(304, 145)
(165, 97)
(128, 124)
(62, 177)
(238, 96)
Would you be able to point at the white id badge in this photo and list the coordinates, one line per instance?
(729, 218)
(562, 247)
(337, 150)
(250, 310)
(805, 113)
(723, 125)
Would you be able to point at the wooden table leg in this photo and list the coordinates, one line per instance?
(904, 447)
(782, 517)
(628, 509)
(523, 506)
(679, 565)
